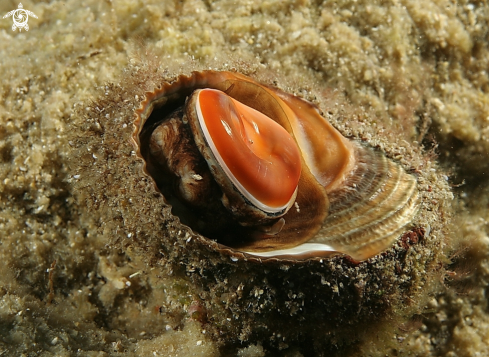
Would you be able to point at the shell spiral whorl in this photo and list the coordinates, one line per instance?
(261, 172)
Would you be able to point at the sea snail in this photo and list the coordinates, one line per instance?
(261, 172)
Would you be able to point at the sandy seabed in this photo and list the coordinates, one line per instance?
(421, 66)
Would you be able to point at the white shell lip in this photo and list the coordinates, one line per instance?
(302, 250)
(242, 190)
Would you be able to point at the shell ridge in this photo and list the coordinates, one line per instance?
(381, 210)
(363, 185)
(385, 237)
(374, 211)
(390, 225)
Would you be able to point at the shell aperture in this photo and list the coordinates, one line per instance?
(341, 197)
(257, 154)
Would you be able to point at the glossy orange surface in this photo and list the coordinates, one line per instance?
(259, 153)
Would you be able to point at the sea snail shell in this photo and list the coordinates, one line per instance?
(264, 174)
